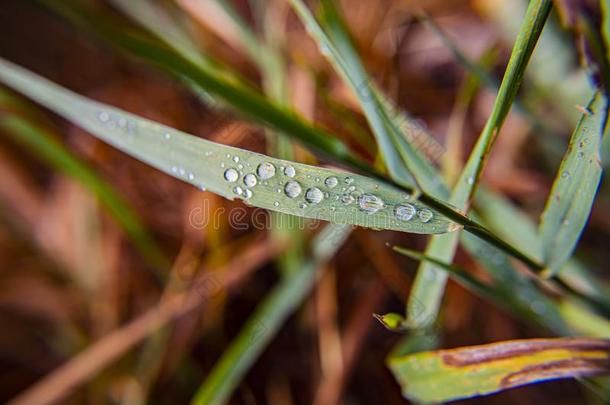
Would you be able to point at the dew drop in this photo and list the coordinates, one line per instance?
(404, 212)
(289, 171)
(167, 135)
(331, 182)
(314, 195)
(182, 171)
(303, 206)
(370, 203)
(250, 180)
(292, 189)
(191, 176)
(276, 204)
(351, 189)
(470, 180)
(247, 194)
(103, 116)
(349, 180)
(174, 169)
(238, 190)
(425, 215)
(265, 170)
(231, 175)
(236, 159)
(347, 199)
(565, 174)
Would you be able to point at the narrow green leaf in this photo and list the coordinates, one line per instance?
(430, 282)
(259, 180)
(430, 377)
(266, 320)
(571, 199)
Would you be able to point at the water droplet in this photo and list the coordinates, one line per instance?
(470, 180)
(182, 171)
(247, 194)
(349, 180)
(332, 208)
(314, 195)
(331, 182)
(238, 190)
(208, 153)
(231, 175)
(303, 206)
(191, 176)
(404, 212)
(250, 180)
(581, 155)
(276, 204)
(265, 170)
(565, 174)
(174, 169)
(351, 189)
(370, 203)
(236, 159)
(317, 179)
(167, 135)
(228, 156)
(292, 189)
(222, 165)
(240, 166)
(289, 171)
(425, 215)
(347, 199)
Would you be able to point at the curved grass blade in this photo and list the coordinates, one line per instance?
(268, 317)
(571, 199)
(429, 377)
(262, 181)
(43, 144)
(429, 284)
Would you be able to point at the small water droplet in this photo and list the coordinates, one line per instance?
(228, 156)
(231, 175)
(238, 190)
(314, 195)
(222, 165)
(302, 205)
(581, 155)
(191, 176)
(265, 170)
(276, 204)
(174, 169)
(167, 135)
(240, 166)
(289, 171)
(208, 153)
(278, 190)
(425, 215)
(247, 194)
(404, 212)
(250, 180)
(332, 208)
(565, 174)
(470, 180)
(317, 179)
(347, 199)
(370, 203)
(103, 116)
(182, 171)
(351, 189)
(292, 189)
(349, 180)
(331, 182)
(236, 159)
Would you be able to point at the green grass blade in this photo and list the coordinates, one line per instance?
(569, 204)
(430, 377)
(42, 143)
(268, 317)
(430, 281)
(346, 198)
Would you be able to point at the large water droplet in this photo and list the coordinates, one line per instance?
(370, 203)
(231, 175)
(292, 189)
(314, 195)
(265, 170)
(289, 171)
(331, 182)
(425, 215)
(250, 180)
(404, 212)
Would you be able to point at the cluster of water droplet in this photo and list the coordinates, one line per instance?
(346, 194)
(112, 122)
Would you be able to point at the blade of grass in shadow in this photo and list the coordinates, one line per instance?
(428, 288)
(571, 198)
(44, 144)
(429, 377)
(266, 320)
(262, 181)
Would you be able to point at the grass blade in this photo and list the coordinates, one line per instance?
(430, 282)
(222, 169)
(268, 317)
(429, 377)
(569, 204)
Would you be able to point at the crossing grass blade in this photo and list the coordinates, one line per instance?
(41, 142)
(430, 281)
(266, 320)
(429, 377)
(571, 198)
(345, 198)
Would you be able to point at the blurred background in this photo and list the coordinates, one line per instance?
(71, 276)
